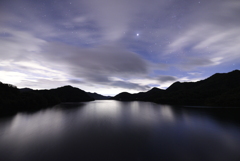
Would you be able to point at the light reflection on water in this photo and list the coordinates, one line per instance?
(116, 130)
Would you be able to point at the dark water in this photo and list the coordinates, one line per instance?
(112, 130)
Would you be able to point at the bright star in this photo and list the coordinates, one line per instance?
(137, 34)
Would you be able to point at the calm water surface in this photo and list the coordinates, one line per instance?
(113, 130)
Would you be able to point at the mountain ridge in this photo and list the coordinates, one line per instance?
(220, 89)
(97, 96)
(212, 91)
(14, 100)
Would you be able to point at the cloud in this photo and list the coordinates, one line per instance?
(98, 65)
(193, 63)
(57, 61)
(103, 60)
(211, 39)
(11, 77)
(164, 81)
(207, 46)
(166, 78)
(101, 13)
(18, 45)
(75, 81)
(129, 85)
(87, 43)
(41, 83)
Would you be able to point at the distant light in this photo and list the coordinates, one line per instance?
(137, 34)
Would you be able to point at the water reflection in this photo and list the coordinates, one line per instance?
(25, 129)
(167, 113)
(114, 130)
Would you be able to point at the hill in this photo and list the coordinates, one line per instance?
(221, 89)
(13, 100)
(97, 96)
(141, 96)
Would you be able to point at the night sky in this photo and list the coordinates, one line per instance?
(111, 46)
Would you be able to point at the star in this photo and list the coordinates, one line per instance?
(137, 34)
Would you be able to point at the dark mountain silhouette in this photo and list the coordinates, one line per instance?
(149, 95)
(13, 100)
(125, 96)
(71, 94)
(25, 90)
(141, 96)
(97, 96)
(218, 90)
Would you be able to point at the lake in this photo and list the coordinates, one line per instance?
(114, 130)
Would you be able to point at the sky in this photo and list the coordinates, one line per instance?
(111, 46)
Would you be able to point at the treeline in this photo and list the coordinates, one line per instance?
(217, 90)
(13, 100)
